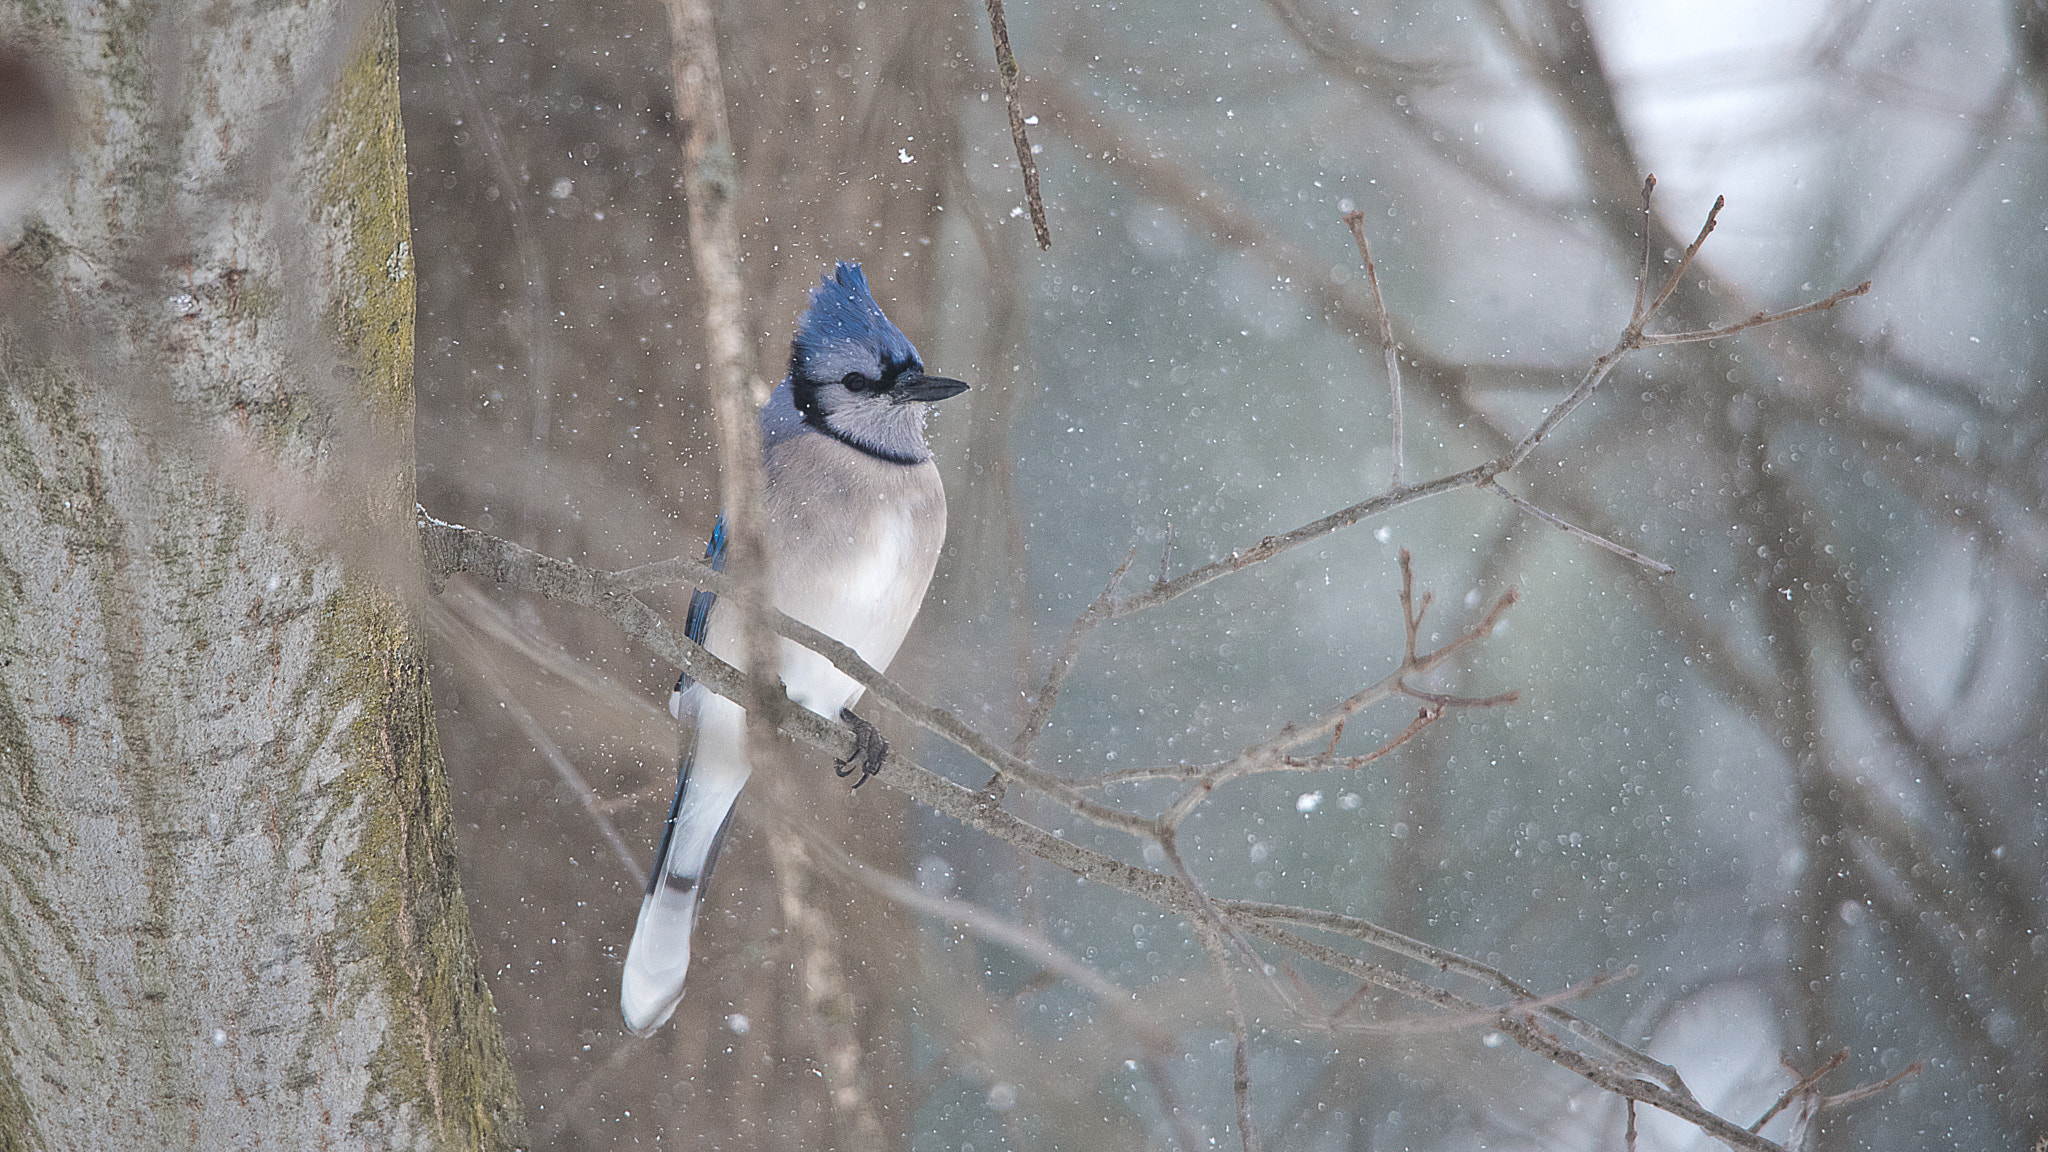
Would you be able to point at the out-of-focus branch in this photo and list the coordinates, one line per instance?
(1158, 176)
(1564, 61)
(1006, 66)
(572, 779)
(1154, 1043)
(1355, 220)
(1063, 663)
(711, 189)
(1593, 538)
(539, 344)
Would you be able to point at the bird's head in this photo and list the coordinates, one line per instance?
(854, 375)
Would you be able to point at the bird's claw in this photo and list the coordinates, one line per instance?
(868, 748)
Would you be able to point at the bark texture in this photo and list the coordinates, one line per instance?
(230, 915)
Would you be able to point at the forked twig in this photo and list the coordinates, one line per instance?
(1800, 1086)
(1856, 1095)
(1633, 337)
(1808, 1087)
(1241, 1046)
(1756, 320)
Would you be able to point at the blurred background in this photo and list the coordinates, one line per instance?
(1798, 784)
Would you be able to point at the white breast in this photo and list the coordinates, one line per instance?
(866, 601)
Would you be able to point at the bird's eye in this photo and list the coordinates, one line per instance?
(855, 382)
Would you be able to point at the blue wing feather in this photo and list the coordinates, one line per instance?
(702, 599)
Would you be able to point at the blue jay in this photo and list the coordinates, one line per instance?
(855, 518)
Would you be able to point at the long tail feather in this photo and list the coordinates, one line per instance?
(659, 957)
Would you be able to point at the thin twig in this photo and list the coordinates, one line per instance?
(1241, 1051)
(1677, 276)
(1063, 663)
(1593, 538)
(1155, 1044)
(1643, 278)
(1802, 1085)
(1168, 843)
(1355, 220)
(1326, 761)
(578, 785)
(1485, 1014)
(1006, 65)
(1760, 318)
(1857, 1095)
(1366, 932)
(539, 342)
(1272, 546)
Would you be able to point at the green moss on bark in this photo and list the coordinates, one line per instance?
(411, 919)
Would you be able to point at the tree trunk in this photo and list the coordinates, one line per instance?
(230, 915)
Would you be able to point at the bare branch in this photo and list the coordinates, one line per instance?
(1063, 663)
(578, 786)
(712, 191)
(1858, 1095)
(1635, 315)
(1684, 262)
(1757, 320)
(1355, 220)
(450, 548)
(1006, 66)
(1801, 1086)
(1593, 538)
(1241, 1051)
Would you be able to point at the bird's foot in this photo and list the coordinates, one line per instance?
(868, 749)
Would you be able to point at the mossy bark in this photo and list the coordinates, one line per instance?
(230, 914)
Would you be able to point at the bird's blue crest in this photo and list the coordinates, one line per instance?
(844, 319)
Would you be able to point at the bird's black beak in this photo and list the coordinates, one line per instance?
(930, 389)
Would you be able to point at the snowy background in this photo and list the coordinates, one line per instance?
(1799, 784)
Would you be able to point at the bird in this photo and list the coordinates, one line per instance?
(855, 516)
